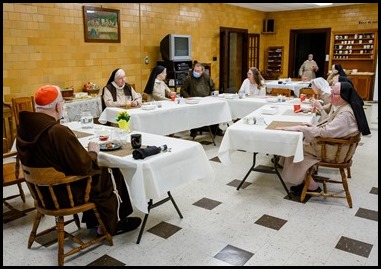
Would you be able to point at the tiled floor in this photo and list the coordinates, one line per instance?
(255, 225)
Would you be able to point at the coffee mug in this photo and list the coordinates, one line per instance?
(136, 141)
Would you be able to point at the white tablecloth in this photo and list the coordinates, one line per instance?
(75, 107)
(256, 138)
(293, 85)
(239, 108)
(154, 176)
(173, 117)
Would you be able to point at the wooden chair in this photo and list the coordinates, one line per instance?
(22, 104)
(45, 185)
(281, 91)
(343, 150)
(12, 175)
(9, 128)
(308, 92)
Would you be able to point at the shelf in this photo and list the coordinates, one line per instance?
(274, 60)
(356, 50)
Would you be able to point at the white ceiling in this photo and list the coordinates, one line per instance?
(273, 7)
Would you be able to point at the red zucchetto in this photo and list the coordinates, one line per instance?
(46, 95)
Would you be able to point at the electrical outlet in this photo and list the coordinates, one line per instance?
(146, 60)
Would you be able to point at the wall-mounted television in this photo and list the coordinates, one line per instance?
(175, 47)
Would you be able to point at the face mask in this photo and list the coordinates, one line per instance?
(196, 75)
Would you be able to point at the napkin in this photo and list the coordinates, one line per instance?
(143, 153)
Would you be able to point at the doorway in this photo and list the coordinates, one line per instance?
(233, 58)
(309, 41)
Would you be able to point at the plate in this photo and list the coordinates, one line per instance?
(272, 99)
(148, 107)
(109, 146)
(229, 95)
(269, 111)
(193, 100)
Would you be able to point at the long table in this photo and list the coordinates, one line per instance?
(293, 85)
(261, 139)
(157, 175)
(240, 108)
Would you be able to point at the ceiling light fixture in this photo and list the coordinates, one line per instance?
(323, 4)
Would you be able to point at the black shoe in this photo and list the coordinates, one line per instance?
(220, 132)
(128, 224)
(277, 163)
(193, 133)
(297, 190)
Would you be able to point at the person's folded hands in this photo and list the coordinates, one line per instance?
(93, 146)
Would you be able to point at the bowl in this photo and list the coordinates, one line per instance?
(67, 93)
(103, 134)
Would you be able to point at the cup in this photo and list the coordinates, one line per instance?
(297, 108)
(136, 141)
(216, 93)
(128, 102)
(86, 119)
(173, 96)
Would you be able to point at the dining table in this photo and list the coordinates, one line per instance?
(169, 117)
(154, 177)
(75, 106)
(292, 85)
(244, 105)
(256, 133)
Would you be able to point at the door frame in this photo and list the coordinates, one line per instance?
(292, 52)
(225, 52)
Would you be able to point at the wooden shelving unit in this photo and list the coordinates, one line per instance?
(357, 50)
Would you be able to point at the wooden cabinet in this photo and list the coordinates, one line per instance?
(363, 85)
(274, 62)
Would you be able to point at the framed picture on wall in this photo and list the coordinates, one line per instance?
(101, 24)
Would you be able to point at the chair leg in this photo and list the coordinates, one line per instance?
(346, 188)
(307, 182)
(76, 219)
(349, 172)
(33, 233)
(60, 237)
(21, 192)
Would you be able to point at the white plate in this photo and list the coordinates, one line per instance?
(269, 111)
(148, 107)
(193, 100)
(229, 95)
(272, 99)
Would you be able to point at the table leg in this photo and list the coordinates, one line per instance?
(267, 171)
(153, 205)
(212, 135)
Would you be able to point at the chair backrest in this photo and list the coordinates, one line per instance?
(47, 185)
(307, 91)
(22, 104)
(337, 152)
(9, 127)
(12, 174)
(280, 91)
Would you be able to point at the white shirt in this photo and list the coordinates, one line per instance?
(252, 88)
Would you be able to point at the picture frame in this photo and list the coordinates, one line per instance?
(101, 24)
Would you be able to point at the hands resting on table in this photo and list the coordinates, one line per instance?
(296, 128)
